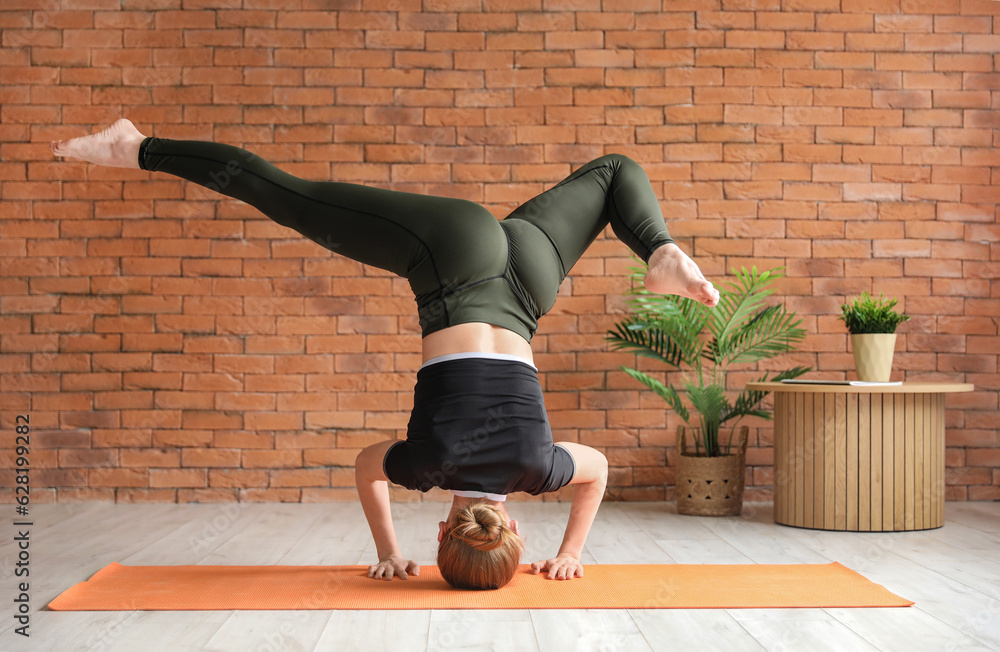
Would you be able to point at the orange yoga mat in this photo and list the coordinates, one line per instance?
(645, 586)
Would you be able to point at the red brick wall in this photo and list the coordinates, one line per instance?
(172, 346)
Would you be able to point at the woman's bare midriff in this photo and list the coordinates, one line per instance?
(475, 337)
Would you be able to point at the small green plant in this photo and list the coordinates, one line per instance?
(703, 342)
(868, 315)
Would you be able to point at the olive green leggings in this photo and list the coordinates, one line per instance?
(462, 264)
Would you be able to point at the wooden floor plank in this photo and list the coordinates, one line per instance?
(376, 631)
(542, 526)
(702, 551)
(338, 536)
(258, 544)
(620, 541)
(193, 532)
(120, 631)
(495, 630)
(764, 545)
(915, 629)
(971, 538)
(587, 629)
(78, 552)
(52, 518)
(979, 515)
(801, 634)
(288, 631)
(661, 521)
(668, 630)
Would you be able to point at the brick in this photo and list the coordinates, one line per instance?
(897, 61)
(846, 60)
(180, 478)
(735, 114)
(903, 136)
(901, 99)
(841, 249)
(747, 152)
(114, 477)
(760, 39)
(812, 116)
(981, 43)
(874, 42)
(815, 41)
(933, 80)
(873, 117)
(300, 478)
(149, 457)
(206, 457)
(872, 154)
(836, 97)
(272, 459)
(901, 173)
(851, 135)
(961, 99)
(906, 24)
(872, 80)
(972, 63)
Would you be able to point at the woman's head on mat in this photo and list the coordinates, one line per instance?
(479, 547)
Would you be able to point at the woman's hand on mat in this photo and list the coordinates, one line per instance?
(563, 567)
(394, 565)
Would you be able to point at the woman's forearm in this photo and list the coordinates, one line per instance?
(373, 490)
(375, 503)
(587, 499)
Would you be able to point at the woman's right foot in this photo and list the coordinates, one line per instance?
(671, 271)
(117, 146)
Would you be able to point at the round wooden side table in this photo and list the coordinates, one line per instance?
(859, 458)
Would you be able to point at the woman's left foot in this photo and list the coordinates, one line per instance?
(671, 271)
(117, 146)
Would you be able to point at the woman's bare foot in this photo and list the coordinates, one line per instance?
(117, 146)
(672, 272)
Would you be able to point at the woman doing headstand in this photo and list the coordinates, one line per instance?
(478, 425)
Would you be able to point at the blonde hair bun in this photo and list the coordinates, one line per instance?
(480, 526)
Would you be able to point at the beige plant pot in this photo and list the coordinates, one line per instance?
(873, 355)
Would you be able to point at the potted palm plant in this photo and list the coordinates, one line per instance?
(872, 324)
(702, 343)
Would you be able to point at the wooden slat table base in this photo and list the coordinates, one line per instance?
(860, 461)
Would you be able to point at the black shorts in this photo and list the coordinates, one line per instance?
(479, 425)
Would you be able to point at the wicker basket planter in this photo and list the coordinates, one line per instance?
(710, 486)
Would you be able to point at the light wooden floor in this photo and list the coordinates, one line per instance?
(952, 573)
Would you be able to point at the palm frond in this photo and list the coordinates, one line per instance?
(636, 336)
(667, 393)
(670, 335)
(709, 400)
(738, 302)
(773, 331)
